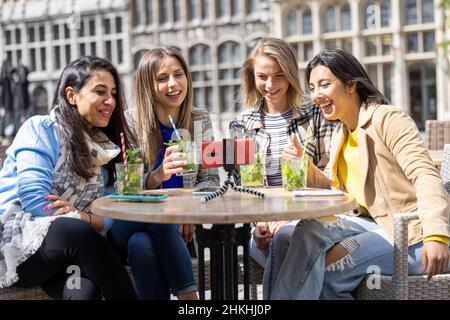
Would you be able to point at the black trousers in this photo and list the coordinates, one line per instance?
(71, 245)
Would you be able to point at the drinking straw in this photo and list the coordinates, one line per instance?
(124, 155)
(174, 127)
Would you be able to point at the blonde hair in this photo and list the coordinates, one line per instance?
(146, 122)
(283, 53)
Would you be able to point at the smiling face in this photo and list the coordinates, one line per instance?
(171, 83)
(334, 97)
(96, 100)
(271, 81)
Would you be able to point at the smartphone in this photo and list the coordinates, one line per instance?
(205, 191)
(139, 198)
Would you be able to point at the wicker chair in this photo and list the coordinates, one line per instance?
(400, 285)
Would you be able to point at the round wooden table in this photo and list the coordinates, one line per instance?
(233, 207)
(224, 212)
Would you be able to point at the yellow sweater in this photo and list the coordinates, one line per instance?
(349, 171)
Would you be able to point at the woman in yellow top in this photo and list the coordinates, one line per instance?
(378, 156)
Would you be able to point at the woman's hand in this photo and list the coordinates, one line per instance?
(187, 232)
(59, 202)
(293, 149)
(171, 163)
(262, 235)
(274, 226)
(435, 258)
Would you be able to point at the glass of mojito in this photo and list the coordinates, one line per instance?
(190, 150)
(294, 173)
(135, 176)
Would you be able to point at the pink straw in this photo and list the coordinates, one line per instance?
(124, 155)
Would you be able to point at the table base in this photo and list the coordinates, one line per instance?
(223, 241)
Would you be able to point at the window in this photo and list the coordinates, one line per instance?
(234, 8)
(346, 20)
(292, 23)
(229, 66)
(119, 51)
(251, 6)
(330, 19)
(307, 22)
(136, 12)
(149, 12)
(411, 12)
(412, 42)
(176, 10)
(56, 31)
(192, 9)
(377, 14)
(107, 26)
(202, 73)
(118, 25)
(205, 9)
(428, 41)
(381, 76)
(221, 8)
(164, 11)
(31, 34)
(427, 11)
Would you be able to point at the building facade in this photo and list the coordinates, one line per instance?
(45, 35)
(394, 39)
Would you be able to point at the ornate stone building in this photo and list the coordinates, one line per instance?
(394, 39)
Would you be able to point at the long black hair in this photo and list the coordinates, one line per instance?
(72, 124)
(347, 69)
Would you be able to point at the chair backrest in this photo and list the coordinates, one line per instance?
(437, 133)
(445, 168)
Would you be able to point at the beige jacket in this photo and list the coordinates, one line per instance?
(396, 170)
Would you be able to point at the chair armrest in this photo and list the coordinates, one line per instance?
(400, 272)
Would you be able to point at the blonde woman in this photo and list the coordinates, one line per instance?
(158, 255)
(276, 108)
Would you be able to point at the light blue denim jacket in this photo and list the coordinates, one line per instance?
(27, 171)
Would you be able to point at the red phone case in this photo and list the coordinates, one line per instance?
(212, 153)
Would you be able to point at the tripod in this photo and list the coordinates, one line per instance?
(229, 183)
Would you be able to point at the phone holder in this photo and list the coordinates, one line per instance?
(229, 150)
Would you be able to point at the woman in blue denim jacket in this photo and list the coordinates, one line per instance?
(56, 166)
(159, 259)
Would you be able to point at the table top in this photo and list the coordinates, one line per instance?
(233, 207)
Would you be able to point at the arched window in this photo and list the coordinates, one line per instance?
(200, 62)
(346, 20)
(377, 14)
(292, 23)
(307, 21)
(229, 58)
(330, 19)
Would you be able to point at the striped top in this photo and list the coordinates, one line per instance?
(275, 126)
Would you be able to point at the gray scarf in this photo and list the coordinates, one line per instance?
(21, 234)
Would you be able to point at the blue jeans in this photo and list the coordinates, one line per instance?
(303, 275)
(159, 259)
(272, 257)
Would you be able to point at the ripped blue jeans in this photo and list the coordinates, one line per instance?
(272, 256)
(302, 273)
